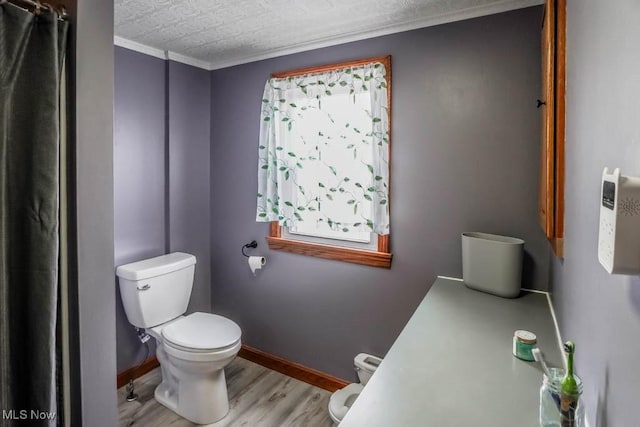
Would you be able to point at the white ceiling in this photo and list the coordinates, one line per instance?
(219, 33)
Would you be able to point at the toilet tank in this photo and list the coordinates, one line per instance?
(156, 290)
(366, 365)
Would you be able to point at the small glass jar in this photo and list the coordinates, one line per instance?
(550, 413)
(523, 344)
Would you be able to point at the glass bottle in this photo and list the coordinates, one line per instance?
(550, 392)
(569, 390)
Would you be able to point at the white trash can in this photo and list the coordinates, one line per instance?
(492, 263)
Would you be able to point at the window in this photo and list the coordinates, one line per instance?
(324, 161)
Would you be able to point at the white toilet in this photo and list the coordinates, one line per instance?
(340, 401)
(192, 350)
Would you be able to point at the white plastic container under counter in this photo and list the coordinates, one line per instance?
(492, 263)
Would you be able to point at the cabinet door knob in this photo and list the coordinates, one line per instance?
(541, 103)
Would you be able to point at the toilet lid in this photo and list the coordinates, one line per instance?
(202, 331)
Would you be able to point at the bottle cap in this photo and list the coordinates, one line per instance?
(525, 337)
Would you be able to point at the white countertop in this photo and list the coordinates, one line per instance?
(452, 364)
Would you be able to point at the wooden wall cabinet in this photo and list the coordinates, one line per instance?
(552, 107)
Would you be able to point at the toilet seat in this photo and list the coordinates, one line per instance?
(201, 337)
(340, 401)
(201, 356)
(202, 332)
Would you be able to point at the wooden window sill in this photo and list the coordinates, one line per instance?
(338, 253)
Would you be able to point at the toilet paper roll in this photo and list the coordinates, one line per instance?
(256, 263)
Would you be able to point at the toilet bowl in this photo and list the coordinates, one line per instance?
(341, 400)
(193, 349)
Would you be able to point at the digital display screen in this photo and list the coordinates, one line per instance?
(608, 194)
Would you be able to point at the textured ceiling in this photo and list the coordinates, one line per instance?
(227, 32)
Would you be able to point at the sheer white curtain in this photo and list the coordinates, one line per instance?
(324, 150)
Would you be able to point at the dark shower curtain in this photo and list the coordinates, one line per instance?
(32, 49)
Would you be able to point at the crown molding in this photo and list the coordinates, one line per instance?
(139, 47)
(183, 59)
(476, 12)
(161, 54)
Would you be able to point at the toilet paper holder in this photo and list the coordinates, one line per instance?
(253, 244)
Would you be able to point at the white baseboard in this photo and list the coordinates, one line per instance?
(450, 278)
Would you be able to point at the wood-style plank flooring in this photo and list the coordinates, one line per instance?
(258, 397)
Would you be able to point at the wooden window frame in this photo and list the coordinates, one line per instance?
(382, 256)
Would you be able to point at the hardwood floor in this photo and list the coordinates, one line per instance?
(258, 397)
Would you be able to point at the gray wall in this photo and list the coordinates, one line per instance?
(465, 150)
(600, 312)
(91, 277)
(161, 179)
(189, 118)
(139, 175)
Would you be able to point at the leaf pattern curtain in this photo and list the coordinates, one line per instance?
(323, 152)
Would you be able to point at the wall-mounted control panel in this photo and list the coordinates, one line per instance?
(619, 235)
